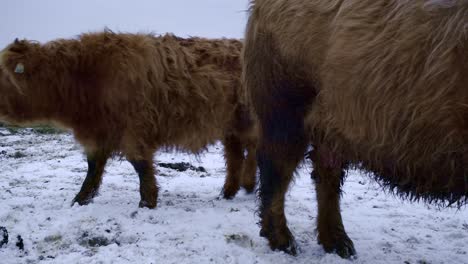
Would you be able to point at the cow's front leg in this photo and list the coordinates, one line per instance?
(96, 162)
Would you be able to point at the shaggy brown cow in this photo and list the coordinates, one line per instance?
(132, 94)
(380, 85)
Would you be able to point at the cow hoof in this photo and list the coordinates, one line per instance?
(283, 241)
(229, 193)
(249, 188)
(264, 233)
(146, 204)
(288, 246)
(343, 247)
(82, 201)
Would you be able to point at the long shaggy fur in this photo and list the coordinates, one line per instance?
(380, 85)
(129, 93)
(391, 79)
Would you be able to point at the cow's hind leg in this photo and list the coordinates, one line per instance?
(280, 100)
(275, 175)
(282, 143)
(233, 153)
(148, 186)
(96, 162)
(328, 175)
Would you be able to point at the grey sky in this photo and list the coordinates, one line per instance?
(44, 20)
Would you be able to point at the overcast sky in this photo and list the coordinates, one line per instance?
(44, 20)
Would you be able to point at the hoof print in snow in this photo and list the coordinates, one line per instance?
(189, 210)
(20, 243)
(3, 236)
(240, 240)
(134, 214)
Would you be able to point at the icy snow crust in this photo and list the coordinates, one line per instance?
(40, 174)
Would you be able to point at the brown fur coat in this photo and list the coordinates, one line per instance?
(391, 79)
(129, 93)
(380, 85)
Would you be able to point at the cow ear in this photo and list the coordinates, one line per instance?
(18, 46)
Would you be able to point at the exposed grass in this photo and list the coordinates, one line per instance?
(39, 129)
(47, 130)
(11, 129)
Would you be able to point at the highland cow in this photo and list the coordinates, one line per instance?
(131, 94)
(377, 85)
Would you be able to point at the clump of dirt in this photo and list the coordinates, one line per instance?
(182, 166)
(18, 155)
(3, 236)
(98, 242)
(20, 243)
(4, 239)
(94, 240)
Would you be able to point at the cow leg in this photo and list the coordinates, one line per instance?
(249, 171)
(274, 182)
(277, 160)
(234, 156)
(280, 98)
(328, 176)
(148, 186)
(96, 163)
(282, 144)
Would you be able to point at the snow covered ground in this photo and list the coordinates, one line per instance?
(41, 173)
